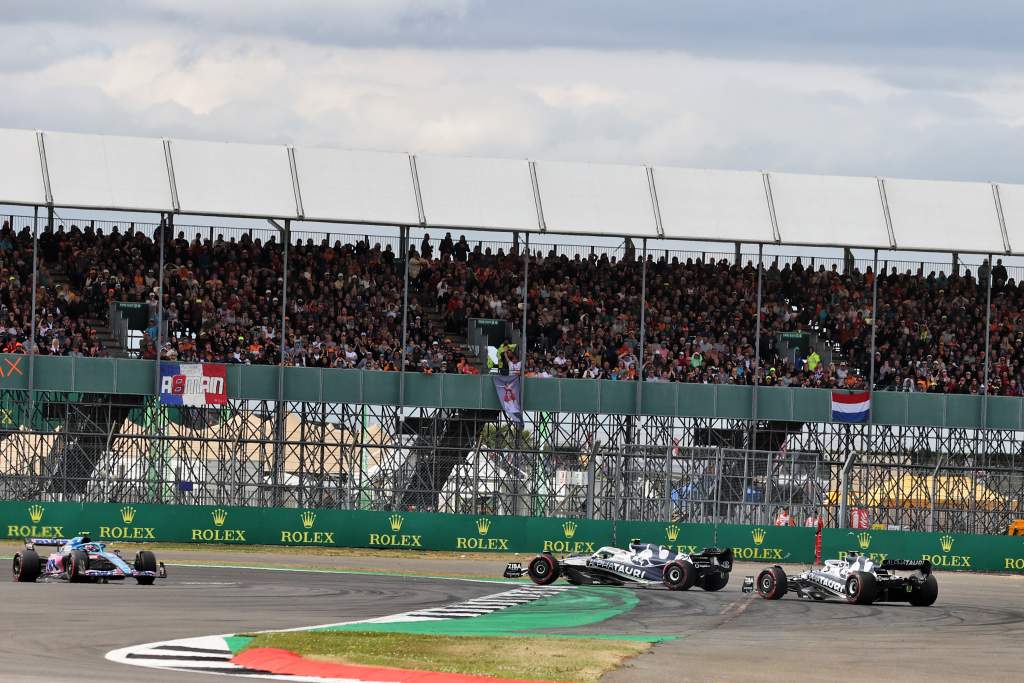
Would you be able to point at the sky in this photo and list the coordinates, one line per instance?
(909, 89)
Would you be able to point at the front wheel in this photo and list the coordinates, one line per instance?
(543, 570)
(27, 566)
(925, 594)
(861, 588)
(679, 576)
(77, 563)
(145, 561)
(772, 583)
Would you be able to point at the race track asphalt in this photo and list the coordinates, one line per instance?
(61, 632)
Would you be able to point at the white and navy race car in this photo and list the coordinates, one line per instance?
(857, 579)
(83, 560)
(642, 563)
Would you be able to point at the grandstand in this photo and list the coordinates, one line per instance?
(656, 305)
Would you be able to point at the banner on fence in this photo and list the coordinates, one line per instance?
(765, 544)
(193, 384)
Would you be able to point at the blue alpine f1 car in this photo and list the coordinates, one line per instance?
(82, 560)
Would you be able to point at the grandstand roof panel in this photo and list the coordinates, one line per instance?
(477, 193)
(832, 211)
(713, 205)
(21, 174)
(108, 172)
(356, 187)
(1012, 199)
(220, 178)
(932, 215)
(596, 199)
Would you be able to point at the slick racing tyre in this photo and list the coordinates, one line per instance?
(77, 564)
(861, 588)
(543, 570)
(715, 581)
(27, 566)
(145, 561)
(925, 594)
(771, 583)
(679, 576)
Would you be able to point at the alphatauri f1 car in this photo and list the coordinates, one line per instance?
(82, 560)
(642, 563)
(856, 579)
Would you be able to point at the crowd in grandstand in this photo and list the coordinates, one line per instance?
(222, 302)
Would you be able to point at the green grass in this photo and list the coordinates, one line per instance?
(579, 660)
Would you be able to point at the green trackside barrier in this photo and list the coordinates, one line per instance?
(945, 551)
(766, 543)
(144, 523)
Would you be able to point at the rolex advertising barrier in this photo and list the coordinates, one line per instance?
(144, 523)
(945, 551)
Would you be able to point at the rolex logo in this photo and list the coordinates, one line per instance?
(672, 532)
(128, 514)
(864, 540)
(483, 525)
(758, 535)
(308, 519)
(946, 542)
(35, 513)
(569, 529)
(219, 517)
(395, 521)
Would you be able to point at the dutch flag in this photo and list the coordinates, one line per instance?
(851, 407)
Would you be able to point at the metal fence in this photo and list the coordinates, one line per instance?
(101, 448)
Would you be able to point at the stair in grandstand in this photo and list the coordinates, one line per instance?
(442, 441)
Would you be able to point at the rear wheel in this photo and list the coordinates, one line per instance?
(77, 563)
(145, 561)
(772, 583)
(861, 588)
(715, 581)
(27, 566)
(679, 576)
(925, 594)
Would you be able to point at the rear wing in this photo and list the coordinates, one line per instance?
(722, 556)
(923, 566)
(47, 541)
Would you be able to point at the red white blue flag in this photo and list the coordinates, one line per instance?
(199, 385)
(851, 407)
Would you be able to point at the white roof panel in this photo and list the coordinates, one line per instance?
(233, 179)
(713, 205)
(1012, 199)
(829, 210)
(356, 187)
(21, 172)
(108, 172)
(596, 199)
(933, 215)
(477, 193)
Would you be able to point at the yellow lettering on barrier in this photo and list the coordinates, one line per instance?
(127, 533)
(470, 543)
(219, 535)
(569, 547)
(308, 537)
(1014, 563)
(757, 553)
(397, 540)
(33, 531)
(949, 561)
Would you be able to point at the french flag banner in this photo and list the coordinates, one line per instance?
(199, 385)
(851, 407)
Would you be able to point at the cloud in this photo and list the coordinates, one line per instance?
(194, 69)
